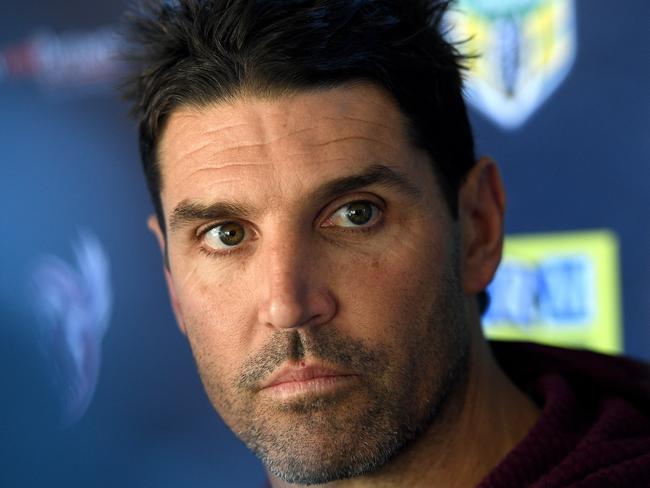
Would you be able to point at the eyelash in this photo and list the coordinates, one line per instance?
(223, 253)
(236, 249)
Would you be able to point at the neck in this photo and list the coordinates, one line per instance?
(493, 413)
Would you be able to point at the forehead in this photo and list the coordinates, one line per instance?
(252, 145)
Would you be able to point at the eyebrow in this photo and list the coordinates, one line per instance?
(377, 174)
(187, 212)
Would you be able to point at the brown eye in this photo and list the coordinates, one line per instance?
(225, 235)
(359, 213)
(355, 214)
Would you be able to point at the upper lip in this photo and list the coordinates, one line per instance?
(292, 373)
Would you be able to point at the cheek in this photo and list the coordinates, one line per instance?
(216, 312)
(381, 294)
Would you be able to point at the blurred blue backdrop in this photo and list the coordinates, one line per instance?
(69, 168)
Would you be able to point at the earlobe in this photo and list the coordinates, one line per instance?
(481, 212)
(152, 223)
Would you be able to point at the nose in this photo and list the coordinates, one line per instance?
(294, 292)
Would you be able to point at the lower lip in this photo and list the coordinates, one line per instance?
(316, 386)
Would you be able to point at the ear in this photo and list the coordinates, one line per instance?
(481, 210)
(154, 226)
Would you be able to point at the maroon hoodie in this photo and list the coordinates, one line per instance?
(594, 429)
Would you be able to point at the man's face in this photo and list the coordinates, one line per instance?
(314, 268)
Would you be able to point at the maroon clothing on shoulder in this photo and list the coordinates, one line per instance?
(594, 428)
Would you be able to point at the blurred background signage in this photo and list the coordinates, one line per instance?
(561, 289)
(522, 50)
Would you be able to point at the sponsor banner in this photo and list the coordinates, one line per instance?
(68, 60)
(560, 289)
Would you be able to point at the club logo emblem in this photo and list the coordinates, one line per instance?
(523, 50)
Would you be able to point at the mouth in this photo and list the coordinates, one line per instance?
(299, 380)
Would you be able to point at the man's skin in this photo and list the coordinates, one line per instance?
(374, 320)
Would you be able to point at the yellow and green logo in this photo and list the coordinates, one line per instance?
(523, 50)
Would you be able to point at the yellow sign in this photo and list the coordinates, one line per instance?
(561, 289)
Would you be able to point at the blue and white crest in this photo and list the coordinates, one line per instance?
(523, 50)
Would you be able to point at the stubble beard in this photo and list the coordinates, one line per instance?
(355, 431)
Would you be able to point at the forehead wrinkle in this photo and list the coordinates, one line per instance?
(216, 168)
(364, 121)
(349, 138)
(211, 132)
(204, 147)
(190, 154)
(192, 113)
(291, 133)
(273, 124)
(234, 147)
(182, 122)
(260, 125)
